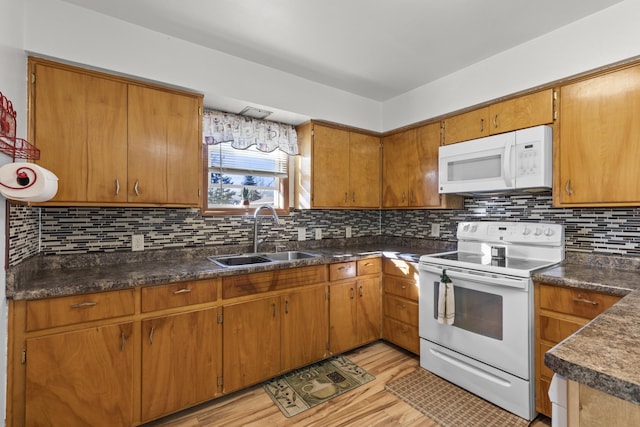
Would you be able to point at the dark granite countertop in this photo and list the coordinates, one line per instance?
(48, 276)
(604, 353)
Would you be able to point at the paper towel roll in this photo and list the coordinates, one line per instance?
(27, 182)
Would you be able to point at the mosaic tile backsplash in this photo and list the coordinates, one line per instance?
(60, 231)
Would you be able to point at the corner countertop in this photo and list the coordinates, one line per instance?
(50, 276)
(604, 353)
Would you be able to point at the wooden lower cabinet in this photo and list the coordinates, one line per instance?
(251, 349)
(81, 378)
(400, 304)
(265, 337)
(559, 312)
(179, 361)
(355, 313)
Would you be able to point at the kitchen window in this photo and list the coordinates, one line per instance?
(246, 163)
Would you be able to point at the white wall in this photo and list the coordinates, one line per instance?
(606, 37)
(70, 33)
(13, 86)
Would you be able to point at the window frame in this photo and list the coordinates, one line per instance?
(205, 210)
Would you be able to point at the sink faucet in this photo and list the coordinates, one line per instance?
(255, 223)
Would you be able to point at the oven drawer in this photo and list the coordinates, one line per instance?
(401, 309)
(579, 302)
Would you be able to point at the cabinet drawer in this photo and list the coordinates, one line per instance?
(578, 302)
(276, 280)
(342, 270)
(178, 294)
(60, 311)
(402, 334)
(555, 330)
(401, 268)
(401, 309)
(368, 266)
(402, 288)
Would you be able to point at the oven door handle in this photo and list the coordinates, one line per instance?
(478, 278)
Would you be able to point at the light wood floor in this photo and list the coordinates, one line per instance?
(367, 405)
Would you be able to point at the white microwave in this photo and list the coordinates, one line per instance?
(520, 160)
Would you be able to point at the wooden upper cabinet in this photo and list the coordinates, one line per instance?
(337, 168)
(79, 124)
(164, 147)
(106, 137)
(330, 167)
(597, 152)
(517, 113)
(410, 170)
(466, 126)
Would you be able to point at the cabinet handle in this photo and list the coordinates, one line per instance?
(404, 287)
(117, 186)
(274, 309)
(136, 189)
(151, 335)
(360, 291)
(402, 306)
(182, 291)
(351, 293)
(403, 196)
(343, 268)
(481, 125)
(586, 301)
(346, 196)
(567, 188)
(354, 197)
(286, 306)
(495, 121)
(84, 304)
(123, 341)
(369, 264)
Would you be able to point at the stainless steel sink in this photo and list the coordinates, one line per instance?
(236, 260)
(289, 255)
(262, 258)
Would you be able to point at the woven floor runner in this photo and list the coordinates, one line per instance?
(449, 405)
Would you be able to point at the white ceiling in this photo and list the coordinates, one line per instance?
(374, 48)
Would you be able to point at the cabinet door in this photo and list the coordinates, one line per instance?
(251, 348)
(522, 112)
(179, 361)
(305, 327)
(81, 378)
(364, 171)
(343, 331)
(164, 147)
(80, 126)
(369, 310)
(396, 157)
(330, 167)
(423, 181)
(466, 126)
(599, 142)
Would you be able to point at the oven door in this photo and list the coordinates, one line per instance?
(492, 321)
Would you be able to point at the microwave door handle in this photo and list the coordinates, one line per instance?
(506, 165)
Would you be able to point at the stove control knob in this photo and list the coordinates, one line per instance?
(537, 232)
(465, 227)
(548, 232)
(526, 231)
(474, 228)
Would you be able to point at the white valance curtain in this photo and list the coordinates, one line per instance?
(244, 132)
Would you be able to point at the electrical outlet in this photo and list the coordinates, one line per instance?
(347, 231)
(137, 242)
(302, 234)
(318, 233)
(435, 230)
